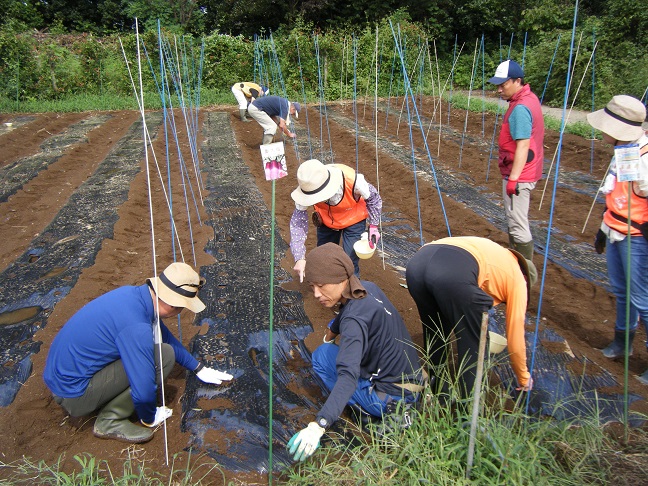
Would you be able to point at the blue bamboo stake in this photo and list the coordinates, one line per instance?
(553, 198)
(483, 83)
(408, 92)
(301, 79)
(593, 98)
(550, 68)
(391, 79)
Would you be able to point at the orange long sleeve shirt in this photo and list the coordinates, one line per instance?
(500, 277)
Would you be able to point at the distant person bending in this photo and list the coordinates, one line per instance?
(272, 112)
(245, 93)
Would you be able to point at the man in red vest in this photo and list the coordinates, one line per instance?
(626, 216)
(342, 201)
(521, 152)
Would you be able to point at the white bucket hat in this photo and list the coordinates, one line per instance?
(622, 118)
(178, 286)
(317, 182)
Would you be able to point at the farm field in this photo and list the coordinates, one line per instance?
(74, 203)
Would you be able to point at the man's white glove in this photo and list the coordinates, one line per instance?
(300, 268)
(210, 375)
(608, 185)
(305, 442)
(161, 414)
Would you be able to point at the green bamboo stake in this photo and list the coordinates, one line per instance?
(270, 338)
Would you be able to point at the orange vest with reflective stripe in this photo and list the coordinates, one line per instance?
(349, 210)
(617, 202)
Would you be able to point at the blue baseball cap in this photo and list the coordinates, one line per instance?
(505, 71)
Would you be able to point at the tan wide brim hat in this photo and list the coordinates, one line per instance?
(317, 182)
(622, 118)
(528, 270)
(178, 286)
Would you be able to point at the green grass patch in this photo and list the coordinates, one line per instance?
(109, 102)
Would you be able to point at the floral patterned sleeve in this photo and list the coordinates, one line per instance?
(374, 205)
(298, 233)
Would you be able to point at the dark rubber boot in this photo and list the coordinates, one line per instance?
(113, 421)
(242, 114)
(616, 349)
(267, 138)
(526, 249)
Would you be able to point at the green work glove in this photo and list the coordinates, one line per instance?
(305, 442)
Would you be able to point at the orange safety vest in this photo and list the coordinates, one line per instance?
(349, 210)
(616, 215)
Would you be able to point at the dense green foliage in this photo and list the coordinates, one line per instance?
(55, 49)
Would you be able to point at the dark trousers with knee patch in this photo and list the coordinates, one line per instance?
(443, 281)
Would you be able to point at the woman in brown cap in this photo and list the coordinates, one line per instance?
(626, 215)
(375, 363)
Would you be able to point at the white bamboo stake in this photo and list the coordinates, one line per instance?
(566, 120)
(382, 247)
(477, 393)
(472, 75)
(405, 97)
(158, 333)
(594, 200)
(150, 142)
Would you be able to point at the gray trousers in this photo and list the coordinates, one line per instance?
(517, 211)
(109, 382)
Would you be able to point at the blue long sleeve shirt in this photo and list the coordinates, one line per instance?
(116, 325)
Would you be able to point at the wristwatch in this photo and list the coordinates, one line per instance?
(322, 422)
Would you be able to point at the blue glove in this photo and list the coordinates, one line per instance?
(305, 442)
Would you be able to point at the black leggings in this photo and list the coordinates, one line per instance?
(442, 280)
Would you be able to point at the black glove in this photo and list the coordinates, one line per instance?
(599, 242)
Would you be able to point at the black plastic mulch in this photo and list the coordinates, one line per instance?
(32, 285)
(231, 421)
(17, 174)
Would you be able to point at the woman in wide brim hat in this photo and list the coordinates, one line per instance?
(316, 182)
(342, 200)
(621, 122)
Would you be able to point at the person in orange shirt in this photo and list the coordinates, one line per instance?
(453, 282)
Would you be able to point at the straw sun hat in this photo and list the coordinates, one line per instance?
(622, 118)
(178, 286)
(317, 182)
